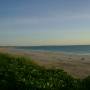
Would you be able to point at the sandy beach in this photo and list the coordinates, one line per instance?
(76, 65)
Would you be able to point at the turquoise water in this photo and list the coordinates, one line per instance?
(74, 49)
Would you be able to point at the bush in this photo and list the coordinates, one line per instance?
(22, 74)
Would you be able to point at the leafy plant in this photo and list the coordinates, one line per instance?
(18, 73)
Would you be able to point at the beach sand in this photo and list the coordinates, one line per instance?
(76, 65)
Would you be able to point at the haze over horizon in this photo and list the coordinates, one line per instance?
(44, 22)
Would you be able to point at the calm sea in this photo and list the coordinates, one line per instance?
(74, 49)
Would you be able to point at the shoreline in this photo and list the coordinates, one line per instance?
(76, 65)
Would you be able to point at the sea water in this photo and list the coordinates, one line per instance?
(70, 49)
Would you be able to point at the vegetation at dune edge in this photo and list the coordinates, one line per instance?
(18, 73)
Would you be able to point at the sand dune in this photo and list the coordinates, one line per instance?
(76, 65)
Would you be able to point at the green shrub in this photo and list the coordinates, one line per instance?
(22, 74)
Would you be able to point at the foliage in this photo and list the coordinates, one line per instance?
(22, 74)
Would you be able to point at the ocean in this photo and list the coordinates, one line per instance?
(74, 49)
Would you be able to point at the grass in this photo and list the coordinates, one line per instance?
(18, 73)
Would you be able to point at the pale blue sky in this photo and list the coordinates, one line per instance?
(44, 22)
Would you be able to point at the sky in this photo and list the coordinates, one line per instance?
(44, 22)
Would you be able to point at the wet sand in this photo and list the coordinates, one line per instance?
(76, 65)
